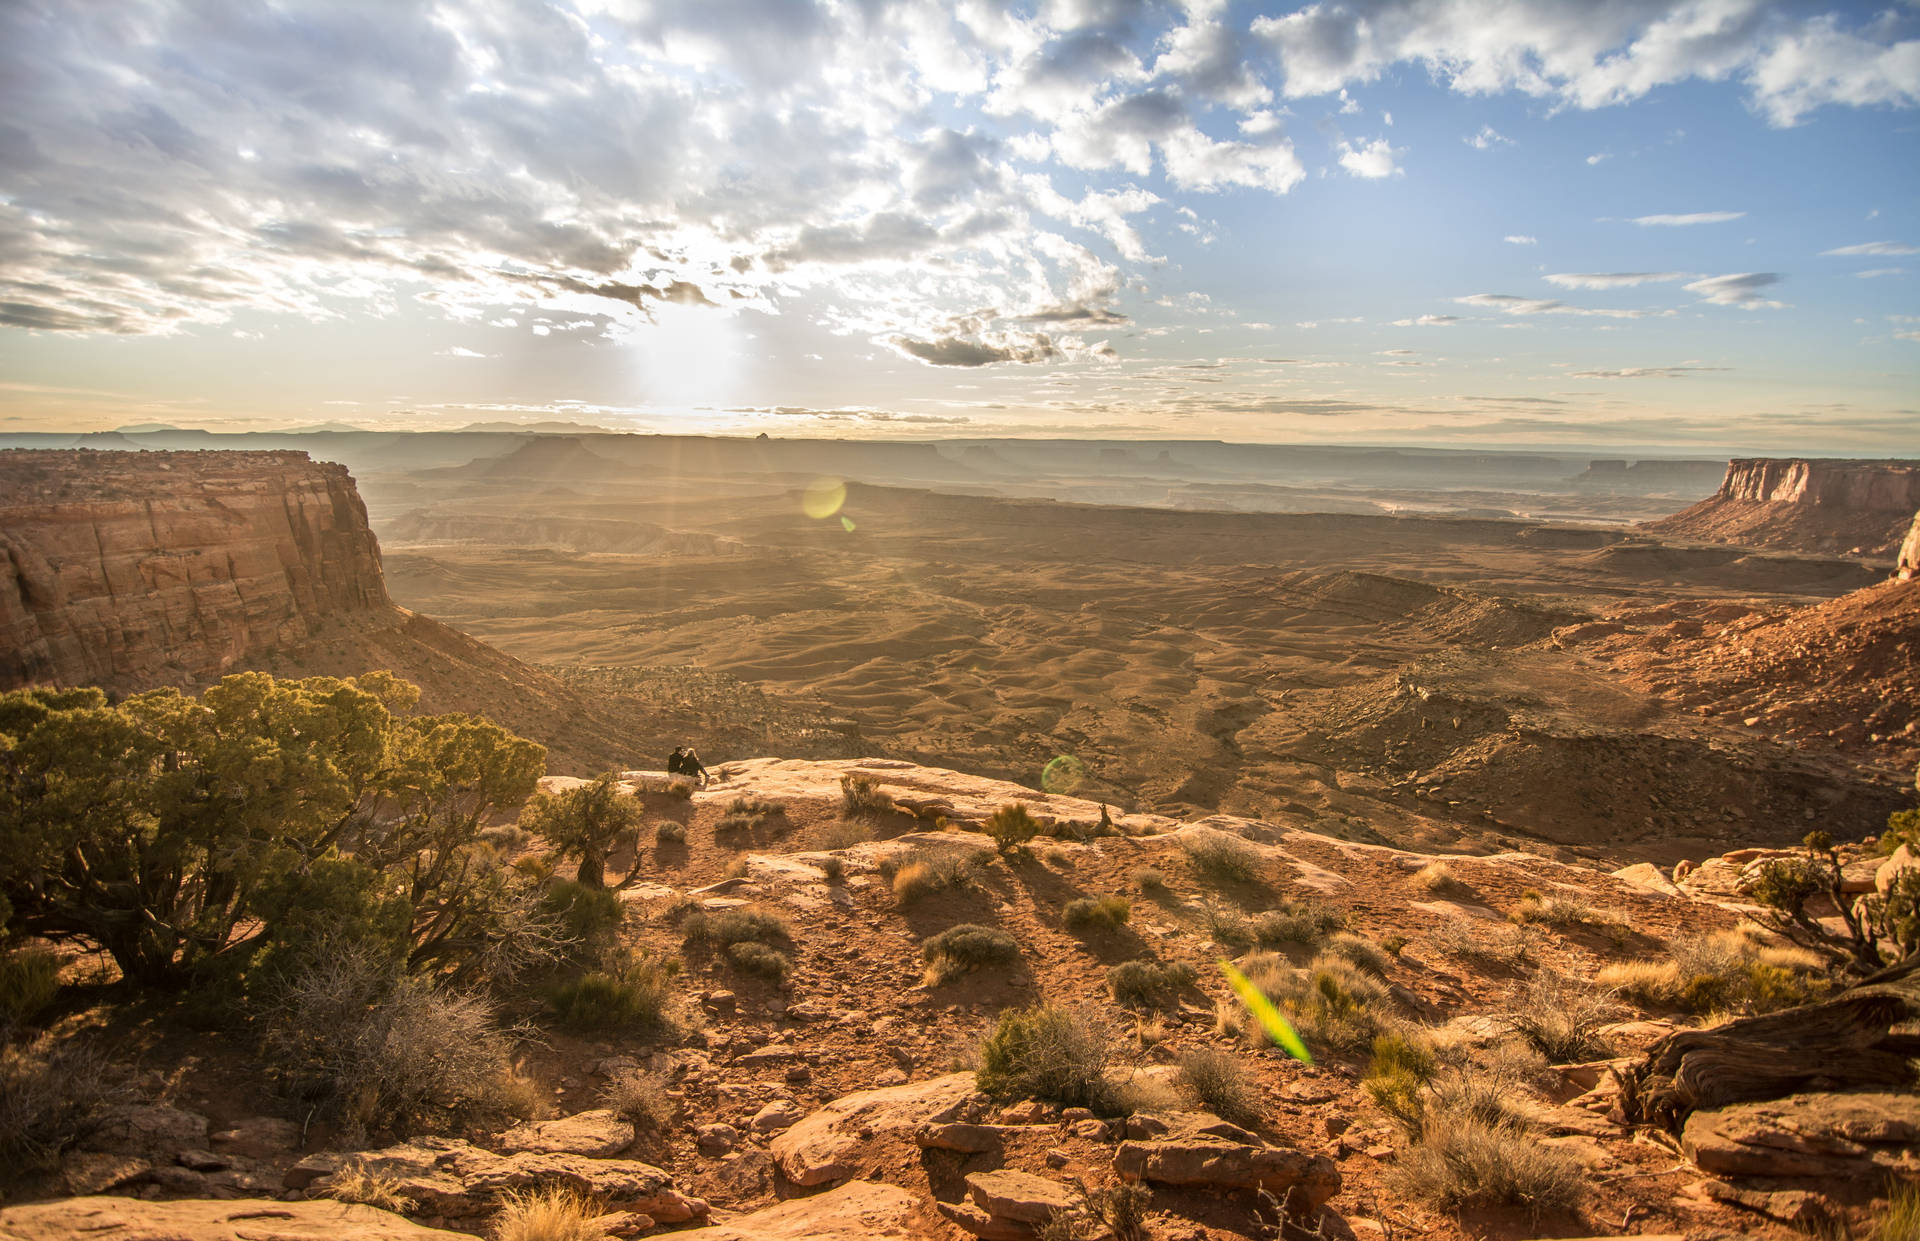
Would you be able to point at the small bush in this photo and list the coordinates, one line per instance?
(588, 917)
(1786, 884)
(832, 868)
(1221, 858)
(551, 1213)
(1562, 1019)
(744, 814)
(1362, 953)
(1737, 971)
(923, 872)
(1222, 1085)
(670, 832)
(1149, 881)
(1148, 983)
(1123, 1209)
(51, 1096)
(667, 786)
(29, 979)
(862, 798)
(760, 960)
(356, 1183)
(640, 1099)
(1901, 1220)
(1393, 945)
(634, 995)
(1228, 927)
(1401, 1067)
(1438, 879)
(1011, 826)
(1560, 911)
(1330, 1003)
(964, 948)
(1296, 922)
(1090, 914)
(1046, 1052)
(843, 835)
(1507, 945)
(734, 926)
(1464, 1161)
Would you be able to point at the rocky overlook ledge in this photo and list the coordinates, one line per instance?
(1860, 508)
(125, 569)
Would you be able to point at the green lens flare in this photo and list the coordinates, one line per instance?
(1277, 1027)
(1063, 774)
(823, 498)
(846, 523)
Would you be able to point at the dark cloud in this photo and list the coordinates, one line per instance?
(954, 351)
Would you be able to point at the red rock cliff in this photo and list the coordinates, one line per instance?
(130, 569)
(1850, 507)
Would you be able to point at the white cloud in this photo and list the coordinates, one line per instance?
(1874, 273)
(1428, 321)
(1487, 138)
(1647, 372)
(1512, 304)
(1876, 247)
(1682, 221)
(458, 351)
(1520, 239)
(1598, 157)
(1371, 160)
(1612, 279)
(1742, 289)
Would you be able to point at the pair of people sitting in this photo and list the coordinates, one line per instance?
(684, 762)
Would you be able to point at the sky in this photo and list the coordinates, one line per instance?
(1634, 224)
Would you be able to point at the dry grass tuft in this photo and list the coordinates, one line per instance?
(1221, 858)
(1330, 1002)
(964, 948)
(1046, 1052)
(1462, 1161)
(1736, 971)
(1901, 1220)
(923, 872)
(862, 798)
(640, 1099)
(1222, 1085)
(355, 1182)
(1094, 914)
(1438, 879)
(550, 1214)
(1562, 1018)
(1149, 983)
(51, 1095)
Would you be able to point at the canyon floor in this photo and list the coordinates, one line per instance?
(1439, 682)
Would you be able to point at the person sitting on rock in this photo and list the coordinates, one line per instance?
(684, 762)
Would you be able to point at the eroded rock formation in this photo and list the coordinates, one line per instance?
(1851, 507)
(128, 569)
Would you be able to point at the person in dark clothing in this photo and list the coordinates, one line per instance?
(684, 762)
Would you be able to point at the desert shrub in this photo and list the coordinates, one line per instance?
(239, 796)
(964, 948)
(922, 872)
(52, 1093)
(586, 822)
(1401, 1066)
(1559, 910)
(355, 1182)
(29, 979)
(1090, 914)
(639, 1098)
(1464, 1158)
(1392, 945)
(1296, 922)
(758, 959)
(1507, 945)
(1221, 858)
(505, 838)
(843, 835)
(1362, 953)
(631, 994)
(1331, 1003)
(744, 814)
(861, 798)
(734, 926)
(550, 1213)
(1786, 884)
(1149, 880)
(588, 917)
(1903, 828)
(1221, 1084)
(1438, 879)
(1737, 971)
(1011, 826)
(366, 1044)
(1046, 1052)
(1227, 926)
(1149, 983)
(832, 868)
(1901, 1220)
(670, 832)
(1562, 1019)
(1123, 1209)
(665, 786)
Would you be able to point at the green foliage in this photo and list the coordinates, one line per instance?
(1401, 1066)
(1221, 1083)
(1091, 914)
(586, 822)
(177, 833)
(761, 960)
(964, 948)
(1011, 826)
(734, 926)
(862, 798)
(1296, 922)
(1221, 858)
(589, 918)
(1046, 1052)
(1149, 983)
(631, 994)
(1786, 884)
(29, 979)
(1903, 828)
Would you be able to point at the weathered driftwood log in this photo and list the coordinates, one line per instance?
(1844, 1043)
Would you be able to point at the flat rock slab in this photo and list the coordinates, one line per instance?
(1229, 1165)
(1815, 1135)
(827, 1145)
(188, 1219)
(598, 1135)
(860, 1211)
(1018, 1196)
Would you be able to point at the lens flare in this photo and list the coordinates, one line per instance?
(1063, 774)
(823, 498)
(846, 523)
(1278, 1028)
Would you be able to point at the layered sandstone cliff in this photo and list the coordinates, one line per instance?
(1858, 508)
(129, 569)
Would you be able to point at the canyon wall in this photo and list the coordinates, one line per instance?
(1860, 508)
(132, 569)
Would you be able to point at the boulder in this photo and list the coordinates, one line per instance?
(597, 1135)
(1020, 1197)
(1902, 859)
(965, 1138)
(1812, 1135)
(244, 1219)
(859, 1211)
(828, 1145)
(150, 1130)
(775, 1116)
(1219, 1164)
(1647, 877)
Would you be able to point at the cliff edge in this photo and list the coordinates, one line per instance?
(128, 569)
(1857, 508)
